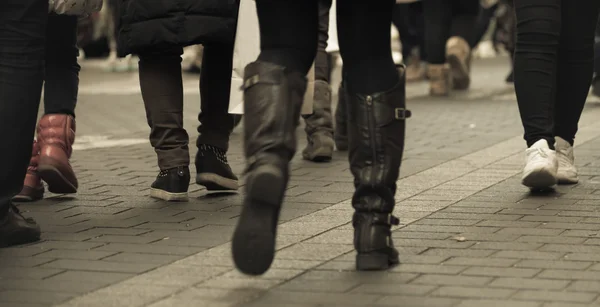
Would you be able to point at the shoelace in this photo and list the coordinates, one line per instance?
(541, 153)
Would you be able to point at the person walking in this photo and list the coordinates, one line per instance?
(157, 32)
(22, 53)
(319, 124)
(449, 27)
(554, 62)
(56, 129)
(274, 86)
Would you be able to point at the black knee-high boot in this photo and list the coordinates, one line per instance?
(272, 101)
(376, 128)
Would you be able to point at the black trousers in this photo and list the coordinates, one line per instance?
(162, 90)
(408, 20)
(444, 19)
(22, 43)
(289, 37)
(62, 70)
(554, 60)
(322, 65)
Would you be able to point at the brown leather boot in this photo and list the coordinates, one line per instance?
(56, 134)
(33, 189)
(440, 80)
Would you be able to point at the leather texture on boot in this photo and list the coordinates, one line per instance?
(272, 101)
(16, 229)
(458, 54)
(376, 135)
(319, 126)
(440, 80)
(340, 135)
(56, 135)
(33, 189)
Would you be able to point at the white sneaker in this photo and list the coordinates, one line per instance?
(567, 172)
(540, 167)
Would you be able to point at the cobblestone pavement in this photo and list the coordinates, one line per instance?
(470, 234)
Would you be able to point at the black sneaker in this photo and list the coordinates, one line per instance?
(213, 171)
(16, 229)
(172, 184)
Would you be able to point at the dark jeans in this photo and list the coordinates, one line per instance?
(553, 65)
(162, 91)
(322, 65)
(22, 42)
(62, 69)
(408, 19)
(444, 19)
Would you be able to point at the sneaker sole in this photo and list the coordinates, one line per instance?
(214, 182)
(541, 179)
(168, 196)
(460, 73)
(253, 244)
(57, 182)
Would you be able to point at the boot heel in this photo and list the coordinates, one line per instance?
(253, 244)
(374, 262)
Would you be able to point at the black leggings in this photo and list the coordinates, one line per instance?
(554, 60)
(288, 32)
(444, 19)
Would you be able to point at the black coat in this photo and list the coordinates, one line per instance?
(155, 23)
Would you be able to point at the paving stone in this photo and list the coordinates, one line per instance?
(100, 266)
(472, 292)
(553, 296)
(75, 254)
(34, 296)
(526, 283)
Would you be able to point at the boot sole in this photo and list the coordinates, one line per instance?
(214, 182)
(319, 155)
(375, 262)
(57, 182)
(460, 73)
(168, 196)
(27, 199)
(253, 244)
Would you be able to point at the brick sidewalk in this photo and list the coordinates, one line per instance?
(470, 234)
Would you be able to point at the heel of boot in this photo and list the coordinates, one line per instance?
(253, 244)
(375, 261)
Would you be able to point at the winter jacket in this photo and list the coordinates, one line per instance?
(144, 24)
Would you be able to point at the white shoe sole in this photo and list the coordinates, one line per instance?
(164, 195)
(566, 179)
(540, 179)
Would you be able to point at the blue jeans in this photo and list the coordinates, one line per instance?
(22, 43)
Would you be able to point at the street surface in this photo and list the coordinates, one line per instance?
(470, 234)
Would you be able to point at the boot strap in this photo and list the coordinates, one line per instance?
(402, 113)
(373, 218)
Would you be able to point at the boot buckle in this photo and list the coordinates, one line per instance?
(392, 220)
(402, 113)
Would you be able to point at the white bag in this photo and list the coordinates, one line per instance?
(245, 51)
(74, 7)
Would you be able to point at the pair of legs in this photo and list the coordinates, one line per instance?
(449, 28)
(162, 90)
(22, 53)
(56, 129)
(408, 19)
(374, 94)
(319, 125)
(553, 70)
